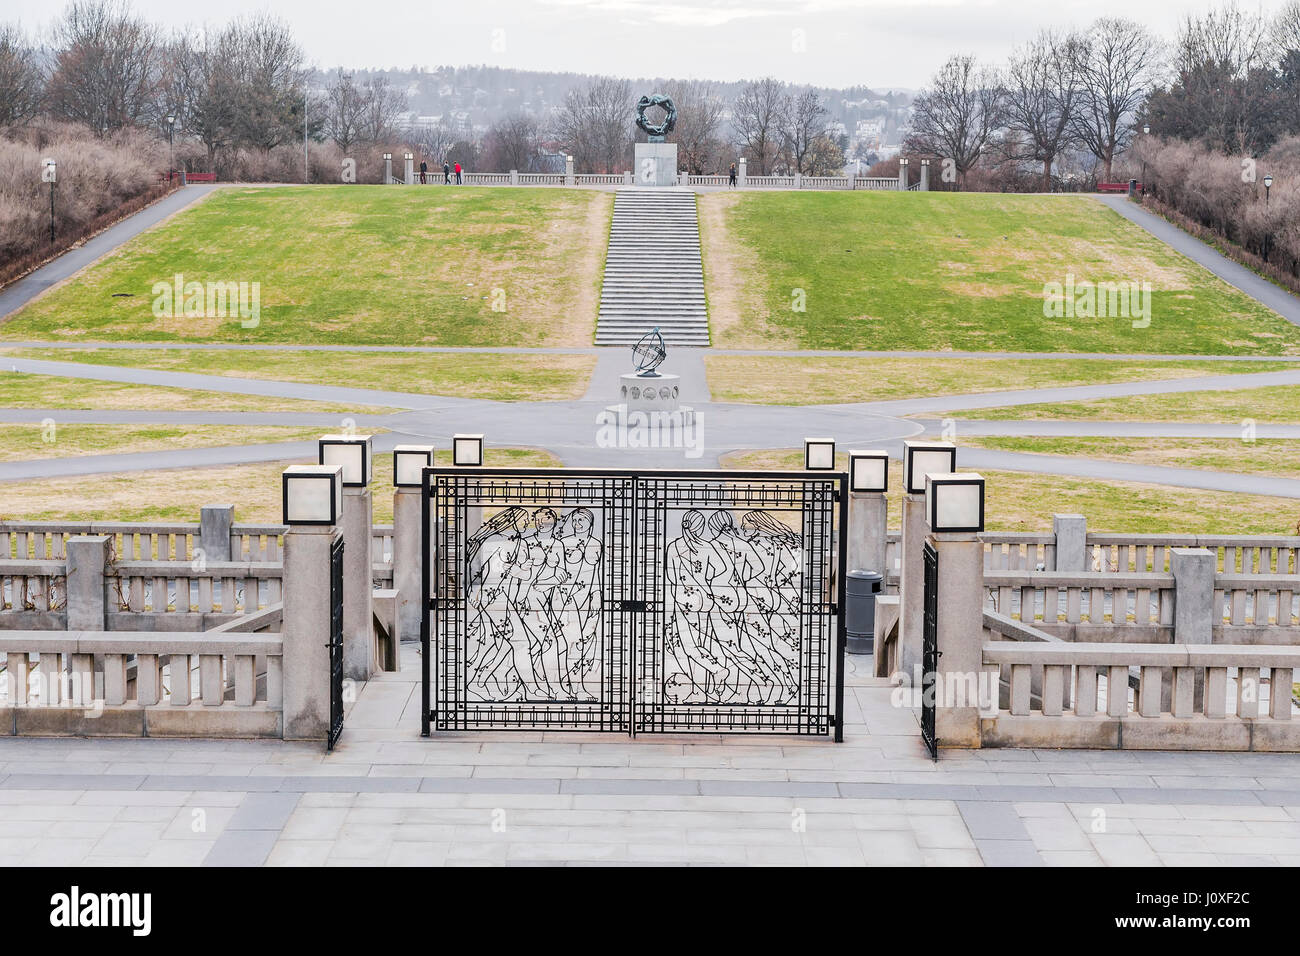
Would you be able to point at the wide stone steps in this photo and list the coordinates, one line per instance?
(653, 271)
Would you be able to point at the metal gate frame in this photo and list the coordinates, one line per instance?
(631, 612)
(930, 649)
(336, 644)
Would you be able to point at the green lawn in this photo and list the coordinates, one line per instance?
(1266, 456)
(522, 377)
(1022, 501)
(21, 390)
(806, 380)
(354, 264)
(962, 271)
(1277, 404)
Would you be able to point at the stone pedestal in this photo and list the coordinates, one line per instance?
(911, 586)
(868, 530)
(358, 585)
(215, 522)
(649, 412)
(87, 556)
(656, 164)
(408, 562)
(306, 632)
(960, 638)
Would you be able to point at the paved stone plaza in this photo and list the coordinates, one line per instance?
(386, 796)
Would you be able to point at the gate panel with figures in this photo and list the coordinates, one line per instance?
(634, 602)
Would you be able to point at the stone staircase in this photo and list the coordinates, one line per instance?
(653, 273)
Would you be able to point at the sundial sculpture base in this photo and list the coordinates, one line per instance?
(655, 161)
(650, 399)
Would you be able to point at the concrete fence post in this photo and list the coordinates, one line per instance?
(215, 522)
(627, 177)
(408, 562)
(911, 584)
(87, 556)
(925, 176)
(514, 177)
(960, 638)
(358, 584)
(569, 179)
(902, 174)
(741, 175)
(1194, 609)
(410, 169)
(388, 170)
(798, 180)
(305, 632)
(1071, 533)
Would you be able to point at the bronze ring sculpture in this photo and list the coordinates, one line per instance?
(669, 120)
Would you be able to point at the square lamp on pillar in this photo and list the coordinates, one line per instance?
(819, 454)
(409, 462)
(467, 451)
(869, 471)
(955, 502)
(312, 494)
(352, 453)
(921, 458)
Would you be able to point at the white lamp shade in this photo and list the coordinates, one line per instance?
(312, 494)
(351, 453)
(819, 454)
(869, 471)
(926, 458)
(955, 502)
(467, 451)
(409, 462)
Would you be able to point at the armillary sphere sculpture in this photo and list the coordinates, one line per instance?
(656, 130)
(649, 353)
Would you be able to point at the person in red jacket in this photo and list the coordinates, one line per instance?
(458, 174)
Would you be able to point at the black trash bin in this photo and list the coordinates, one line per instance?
(860, 614)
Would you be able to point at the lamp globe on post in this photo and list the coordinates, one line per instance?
(467, 451)
(49, 174)
(819, 454)
(954, 502)
(1268, 184)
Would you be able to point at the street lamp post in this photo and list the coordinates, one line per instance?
(50, 175)
(1268, 237)
(171, 129)
(1268, 184)
(1146, 131)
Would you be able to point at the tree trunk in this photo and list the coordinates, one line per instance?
(1047, 175)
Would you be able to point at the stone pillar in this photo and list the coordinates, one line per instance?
(305, 632)
(868, 527)
(408, 562)
(911, 586)
(798, 180)
(569, 178)
(410, 169)
(87, 555)
(358, 584)
(925, 175)
(514, 177)
(902, 174)
(388, 170)
(627, 177)
(960, 638)
(1071, 533)
(1193, 570)
(741, 177)
(215, 522)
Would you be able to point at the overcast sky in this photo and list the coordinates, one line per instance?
(880, 43)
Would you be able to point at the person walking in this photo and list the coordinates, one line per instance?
(446, 174)
(424, 169)
(731, 176)
(458, 174)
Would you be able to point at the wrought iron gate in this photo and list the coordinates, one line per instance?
(930, 650)
(634, 602)
(336, 644)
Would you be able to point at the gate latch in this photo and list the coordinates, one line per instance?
(632, 605)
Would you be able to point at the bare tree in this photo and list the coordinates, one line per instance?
(382, 106)
(1117, 72)
(758, 116)
(107, 68)
(698, 133)
(512, 142)
(804, 123)
(956, 117)
(1044, 82)
(21, 79)
(271, 80)
(435, 139)
(202, 88)
(595, 125)
(344, 109)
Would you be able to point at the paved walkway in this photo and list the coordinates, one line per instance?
(387, 796)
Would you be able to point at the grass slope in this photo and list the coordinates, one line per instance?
(963, 271)
(355, 264)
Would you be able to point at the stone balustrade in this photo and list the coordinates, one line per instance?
(1086, 605)
(161, 684)
(1087, 699)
